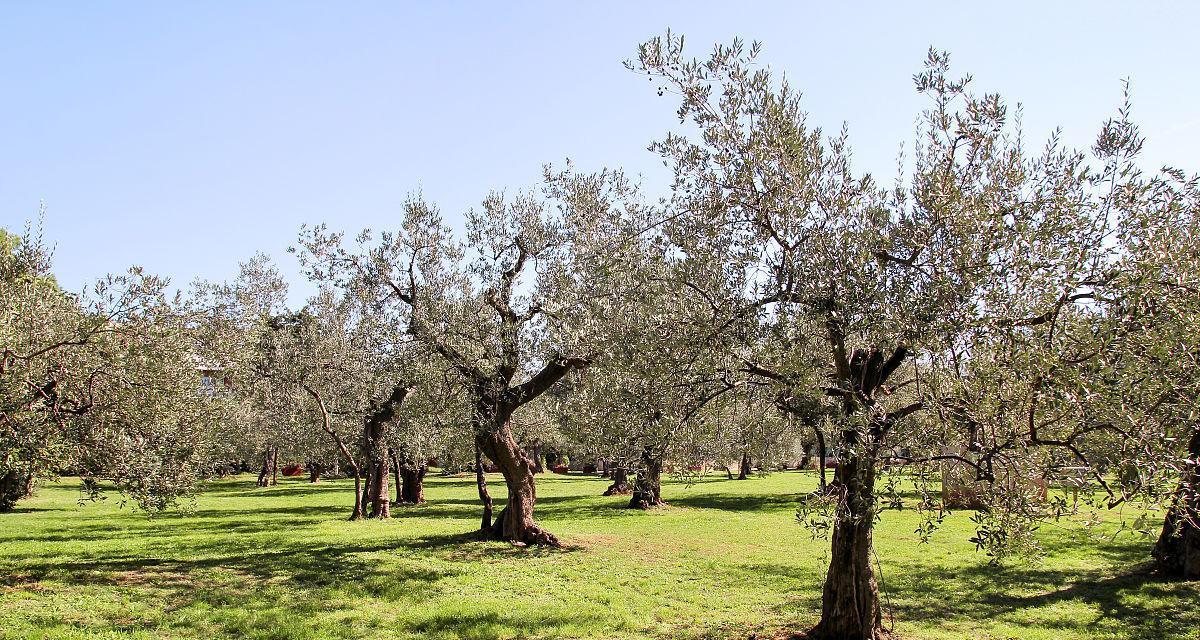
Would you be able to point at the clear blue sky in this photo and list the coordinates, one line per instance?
(185, 136)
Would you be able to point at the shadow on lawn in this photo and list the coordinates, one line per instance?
(727, 502)
(283, 584)
(1126, 600)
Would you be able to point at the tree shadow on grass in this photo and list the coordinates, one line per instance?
(1126, 599)
(726, 502)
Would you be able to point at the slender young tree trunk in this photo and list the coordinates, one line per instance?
(274, 466)
(396, 476)
(620, 483)
(484, 496)
(850, 598)
(647, 487)
(266, 468)
(1177, 553)
(821, 453)
(603, 467)
(744, 469)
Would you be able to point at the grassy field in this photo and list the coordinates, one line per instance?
(725, 560)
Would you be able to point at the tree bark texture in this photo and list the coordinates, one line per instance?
(412, 484)
(1177, 553)
(620, 483)
(647, 486)
(744, 469)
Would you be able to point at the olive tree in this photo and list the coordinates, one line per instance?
(101, 384)
(980, 243)
(508, 309)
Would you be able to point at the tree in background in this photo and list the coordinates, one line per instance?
(103, 384)
(508, 310)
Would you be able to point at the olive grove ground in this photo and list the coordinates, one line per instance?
(725, 559)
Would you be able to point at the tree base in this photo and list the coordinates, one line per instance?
(1177, 554)
(528, 535)
(646, 504)
(615, 489)
(817, 634)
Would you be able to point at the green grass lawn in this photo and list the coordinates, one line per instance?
(725, 560)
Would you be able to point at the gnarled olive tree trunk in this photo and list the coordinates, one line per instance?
(744, 469)
(647, 486)
(266, 476)
(412, 483)
(381, 501)
(850, 597)
(620, 483)
(515, 522)
(1177, 553)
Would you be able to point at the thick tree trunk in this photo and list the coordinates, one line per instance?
(381, 501)
(850, 598)
(13, 487)
(484, 496)
(647, 487)
(1177, 553)
(314, 472)
(744, 469)
(515, 522)
(620, 483)
(412, 487)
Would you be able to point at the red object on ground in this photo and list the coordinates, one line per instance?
(293, 470)
(560, 469)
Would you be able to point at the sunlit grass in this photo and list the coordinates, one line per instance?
(726, 559)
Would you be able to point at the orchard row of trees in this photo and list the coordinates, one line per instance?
(1010, 311)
